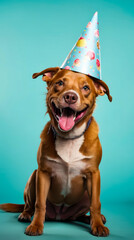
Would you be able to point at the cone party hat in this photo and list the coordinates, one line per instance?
(85, 55)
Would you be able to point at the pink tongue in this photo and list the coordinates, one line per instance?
(66, 123)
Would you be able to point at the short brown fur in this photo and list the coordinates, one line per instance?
(42, 186)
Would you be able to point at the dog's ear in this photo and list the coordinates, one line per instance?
(47, 74)
(102, 88)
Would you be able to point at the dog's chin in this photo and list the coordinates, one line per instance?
(67, 117)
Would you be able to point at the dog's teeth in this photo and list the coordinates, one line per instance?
(74, 116)
(57, 117)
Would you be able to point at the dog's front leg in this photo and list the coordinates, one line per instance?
(93, 186)
(42, 188)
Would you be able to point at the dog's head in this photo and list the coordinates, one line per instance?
(71, 97)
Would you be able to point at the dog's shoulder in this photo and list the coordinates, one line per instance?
(92, 132)
(45, 133)
(47, 146)
(91, 145)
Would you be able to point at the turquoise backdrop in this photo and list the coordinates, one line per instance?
(35, 35)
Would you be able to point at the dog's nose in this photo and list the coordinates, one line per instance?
(70, 97)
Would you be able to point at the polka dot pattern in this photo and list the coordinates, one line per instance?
(85, 55)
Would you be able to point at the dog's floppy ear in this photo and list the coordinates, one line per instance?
(102, 88)
(47, 74)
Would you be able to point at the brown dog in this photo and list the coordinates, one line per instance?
(66, 184)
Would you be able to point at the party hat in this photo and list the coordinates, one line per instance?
(85, 55)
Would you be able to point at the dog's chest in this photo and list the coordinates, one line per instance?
(69, 164)
(69, 150)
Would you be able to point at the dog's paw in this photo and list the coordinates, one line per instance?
(100, 230)
(34, 230)
(24, 217)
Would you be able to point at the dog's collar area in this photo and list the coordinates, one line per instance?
(55, 133)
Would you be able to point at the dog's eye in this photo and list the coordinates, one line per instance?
(60, 83)
(86, 88)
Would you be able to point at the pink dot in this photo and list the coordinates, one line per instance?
(91, 55)
(67, 67)
(72, 66)
(98, 62)
(73, 55)
(96, 33)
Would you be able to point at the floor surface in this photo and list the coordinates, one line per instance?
(120, 221)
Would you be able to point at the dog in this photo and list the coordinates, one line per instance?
(66, 185)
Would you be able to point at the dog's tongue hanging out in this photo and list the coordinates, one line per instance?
(66, 121)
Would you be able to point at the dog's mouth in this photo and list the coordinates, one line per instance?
(67, 117)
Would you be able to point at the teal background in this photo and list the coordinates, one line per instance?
(35, 35)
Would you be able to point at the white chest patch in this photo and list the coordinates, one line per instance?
(68, 150)
(69, 164)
